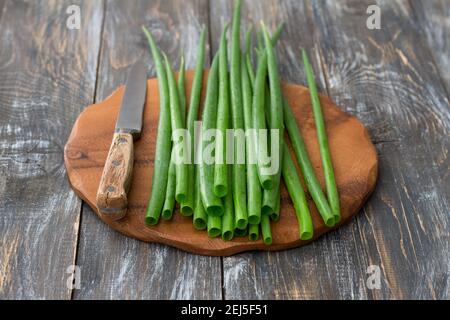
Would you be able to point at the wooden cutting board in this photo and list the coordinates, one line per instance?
(354, 159)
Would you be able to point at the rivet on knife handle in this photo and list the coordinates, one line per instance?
(115, 182)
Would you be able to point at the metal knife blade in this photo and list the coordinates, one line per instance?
(133, 101)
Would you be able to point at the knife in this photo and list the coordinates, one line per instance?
(114, 185)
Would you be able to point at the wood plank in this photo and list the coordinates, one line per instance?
(2, 5)
(329, 267)
(116, 266)
(47, 75)
(433, 17)
(387, 79)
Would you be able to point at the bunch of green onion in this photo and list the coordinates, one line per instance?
(239, 199)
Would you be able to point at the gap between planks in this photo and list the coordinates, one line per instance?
(94, 98)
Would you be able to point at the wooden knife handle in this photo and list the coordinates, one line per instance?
(116, 178)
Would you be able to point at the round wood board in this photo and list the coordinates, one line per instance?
(354, 159)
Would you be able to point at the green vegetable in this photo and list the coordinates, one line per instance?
(270, 197)
(276, 108)
(187, 206)
(182, 88)
(260, 40)
(276, 35)
(253, 186)
(267, 63)
(275, 215)
(269, 200)
(240, 232)
(259, 121)
(265, 230)
(214, 226)
(248, 62)
(306, 167)
(228, 216)
(211, 202)
(253, 232)
(200, 217)
(274, 39)
(261, 105)
(295, 189)
(239, 175)
(163, 141)
(223, 115)
(181, 169)
(330, 182)
(169, 202)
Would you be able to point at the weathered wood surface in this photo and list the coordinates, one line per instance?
(47, 75)
(388, 78)
(2, 5)
(116, 267)
(404, 228)
(433, 17)
(320, 269)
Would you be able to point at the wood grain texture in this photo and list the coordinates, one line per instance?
(2, 5)
(354, 158)
(329, 267)
(47, 75)
(387, 78)
(111, 199)
(125, 268)
(377, 77)
(433, 18)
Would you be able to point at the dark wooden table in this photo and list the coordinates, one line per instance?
(395, 79)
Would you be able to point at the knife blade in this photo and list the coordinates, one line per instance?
(112, 201)
(130, 114)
